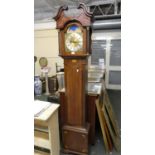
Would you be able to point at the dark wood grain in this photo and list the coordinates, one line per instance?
(90, 113)
(80, 143)
(73, 103)
(82, 16)
(75, 84)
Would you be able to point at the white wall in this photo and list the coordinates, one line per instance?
(46, 45)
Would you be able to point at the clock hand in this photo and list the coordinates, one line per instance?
(74, 41)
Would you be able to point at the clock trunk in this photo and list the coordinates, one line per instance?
(75, 90)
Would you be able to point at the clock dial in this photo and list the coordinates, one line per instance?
(73, 39)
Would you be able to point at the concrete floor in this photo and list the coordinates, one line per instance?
(98, 148)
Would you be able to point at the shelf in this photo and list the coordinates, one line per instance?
(41, 128)
(36, 152)
(41, 139)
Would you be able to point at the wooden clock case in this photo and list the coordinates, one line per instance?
(75, 129)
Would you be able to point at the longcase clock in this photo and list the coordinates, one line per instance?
(74, 48)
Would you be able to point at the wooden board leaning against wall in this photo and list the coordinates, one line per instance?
(108, 123)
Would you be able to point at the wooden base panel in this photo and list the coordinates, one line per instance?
(75, 139)
(66, 151)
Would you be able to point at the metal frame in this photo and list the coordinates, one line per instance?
(104, 9)
(108, 36)
(110, 68)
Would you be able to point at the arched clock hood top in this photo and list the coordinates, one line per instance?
(65, 14)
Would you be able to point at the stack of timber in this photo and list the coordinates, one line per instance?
(108, 123)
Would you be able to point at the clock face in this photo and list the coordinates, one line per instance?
(73, 39)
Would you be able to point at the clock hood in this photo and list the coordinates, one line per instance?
(80, 14)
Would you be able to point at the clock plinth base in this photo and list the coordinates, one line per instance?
(75, 139)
